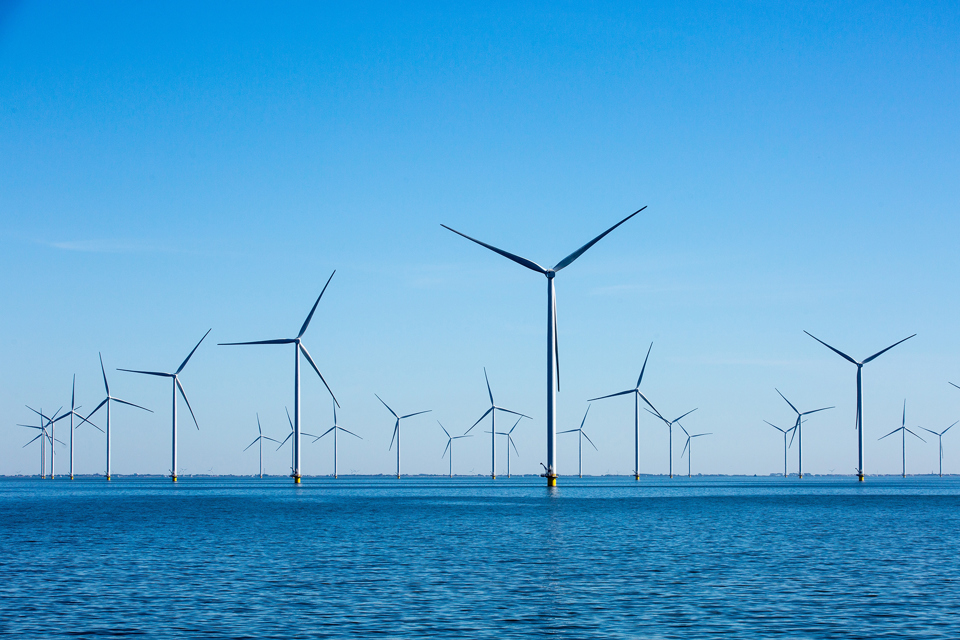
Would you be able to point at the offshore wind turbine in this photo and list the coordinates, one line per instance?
(509, 435)
(50, 436)
(553, 346)
(297, 350)
(903, 439)
(689, 446)
(259, 440)
(334, 429)
(396, 429)
(670, 424)
(940, 437)
(637, 396)
(42, 436)
(784, 432)
(106, 401)
(580, 436)
(859, 425)
(293, 431)
(798, 430)
(449, 446)
(73, 413)
(492, 411)
(174, 377)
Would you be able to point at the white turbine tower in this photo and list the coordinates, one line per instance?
(670, 423)
(690, 446)
(492, 412)
(293, 431)
(334, 429)
(553, 348)
(580, 436)
(637, 396)
(798, 431)
(106, 401)
(298, 349)
(176, 386)
(903, 440)
(259, 440)
(50, 422)
(396, 429)
(510, 442)
(859, 424)
(449, 446)
(940, 437)
(69, 414)
(784, 432)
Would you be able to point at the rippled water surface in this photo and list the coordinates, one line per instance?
(599, 557)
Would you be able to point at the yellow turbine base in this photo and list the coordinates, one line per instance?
(174, 478)
(108, 478)
(296, 480)
(636, 477)
(860, 478)
(552, 481)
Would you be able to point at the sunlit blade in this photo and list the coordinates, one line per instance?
(485, 414)
(309, 435)
(350, 432)
(806, 413)
(444, 429)
(233, 344)
(589, 440)
(891, 433)
(836, 351)
(488, 385)
(104, 372)
(879, 353)
(251, 444)
(644, 368)
(184, 394)
(785, 400)
(903, 421)
(288, 418)
(388, 407)
(73, 394)
(579, 252)
(396, 428)
(187, 359)
(613, 395)
(313, 364)
(529, 264)
(130, 404)
(684, 415)
(306, 323)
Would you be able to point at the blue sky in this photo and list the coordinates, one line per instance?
(168, 168)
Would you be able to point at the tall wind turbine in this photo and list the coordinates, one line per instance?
(334, 429)
(689, 446)
(72, 414)
(859, 425)
(784, 432)
(50, 422)
(580, 436)
(637, 396)
(492, 411)
(43, 436)
(396, 429)
(293, 431)
(510, 442)
(259, 440)
(176, 386)
(798, 431)
(553, 347)
(449, 446)
(940, 437)
(903, 440)
(297, 350)
(106, 401)
(670, 424)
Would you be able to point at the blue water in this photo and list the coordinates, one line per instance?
(472, 558)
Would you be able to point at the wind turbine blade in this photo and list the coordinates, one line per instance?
(350, 432)
(270, 439)
(447, 448)
(775, 427)
(289, 435)
(613, 395)
(579, 252)
(685, 447)
(569, 431)
(953, 385)
(259, 428)
(644, 398)
(97, 409)
(73, 394)
(556, 340)
(513, 412)
(516, 423)
(793, 435)
(313, 364)
(891, 433)
(306, 323)
(194, 349)
(479, 419)
(903, 422)
(510, 440)
(787, 401)
(281, 341)
(589, 440)
(288, 419)
(410, 415)
(251, 444)
(684, 415)
(388, 407)
(684, 430)
(930, 431)
(879, 353)
(325, 433)
(184, 394)
(836, 351)
(644, 368)
(914, 435)
(582, 422)
(39, 435)
(806, 413)
(444, 429)
(104, 372)
(396, 428)
(665, 421)
(697, 435)
(948, 428)
(149, 373)
(488, 386)
(82, 420)
(529, 264)
(130, 404)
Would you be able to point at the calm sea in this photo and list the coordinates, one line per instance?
(473, 558)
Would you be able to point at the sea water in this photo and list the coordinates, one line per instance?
(603, 557)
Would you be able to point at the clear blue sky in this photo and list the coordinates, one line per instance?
(167, 168)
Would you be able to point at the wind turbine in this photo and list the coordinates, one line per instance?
(798, 431)
(297, 350)
(50, 436)
(637, 396)
(176, 385)
(670, 424)
(396, 429)
(260, 439)
(43, 436)
(940, 436)
(784, 432)
(73, 413)
(580, 436)
(510, 442)
(334, 429)
(859, 425)
(492, 411)
(690, 446)
(449, 446)
(292, 432)
(553, 347)
(903, 433)
(106, 401)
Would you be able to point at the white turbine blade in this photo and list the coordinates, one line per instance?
(149, 373)
(649, 404)
(953, 385)
(836, 351)
(444, 429)
(522, 415)
(192, 352)
(325, 433)
(685, 447)
(787, 401)
(644, 368)
(82, 420)
(589, 440)
(485, 413)
(184, 394)
(567, 431)
(447, 448)
(510, 440)
(97, 409)
(396, 428)
(879, 353)
(914, 435)
(684, 415)
(251, 444)
(39, 435)
(613, 395)
(289, 435)
(582, 422)
(665, 421)
(388, 407)
(891, 433)
(289, 419)
(697, 435)
(410, 415)
(488, 386)
(684, 430)
(104, 372)
(259, 428)
(306, 323)
(529, 264)
(350, 432)
(566, 262)
(130, 404)
(806, 413)
(270, 439)
(313, 364)
(279, 341)
(556, 340)
(930, 431)
(948, 428)
(775, 427)
(516, 423)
